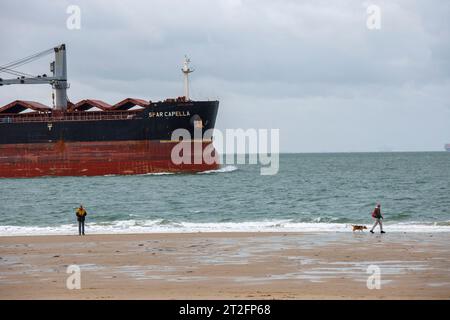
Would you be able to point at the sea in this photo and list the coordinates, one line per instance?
(325, 192)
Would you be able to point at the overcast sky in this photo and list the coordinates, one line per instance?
(310, 68)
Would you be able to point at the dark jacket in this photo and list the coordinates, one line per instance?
(377, 213)
(81, 214)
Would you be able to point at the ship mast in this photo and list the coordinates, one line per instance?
(186, 70)
(57, 67)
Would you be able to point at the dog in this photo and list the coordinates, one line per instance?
(360, 228)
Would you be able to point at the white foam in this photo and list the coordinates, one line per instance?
(162, 226)
(142, 174)
(221, 170)
(157, 173)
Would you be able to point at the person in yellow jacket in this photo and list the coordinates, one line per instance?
(81, 216)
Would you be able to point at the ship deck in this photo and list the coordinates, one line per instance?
(68, 116)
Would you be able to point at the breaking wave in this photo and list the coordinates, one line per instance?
(167, 226)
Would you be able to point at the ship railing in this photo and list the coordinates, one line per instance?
(68, 116)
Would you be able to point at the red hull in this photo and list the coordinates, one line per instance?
(92, 159)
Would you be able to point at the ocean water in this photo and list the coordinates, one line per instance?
(311, 192)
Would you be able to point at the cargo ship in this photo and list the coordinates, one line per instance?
(447, 147)
(92, 137)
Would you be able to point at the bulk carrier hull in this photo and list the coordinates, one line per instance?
(89, 143)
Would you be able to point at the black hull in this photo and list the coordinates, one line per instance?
(155, 122)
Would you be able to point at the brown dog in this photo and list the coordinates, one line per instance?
(360, 228)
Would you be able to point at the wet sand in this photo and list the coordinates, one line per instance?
(227, 266)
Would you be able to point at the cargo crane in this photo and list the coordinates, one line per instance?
(58, 81)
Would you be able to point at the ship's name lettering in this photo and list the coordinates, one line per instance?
(158, 114)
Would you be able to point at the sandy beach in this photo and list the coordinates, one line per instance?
(227, 266)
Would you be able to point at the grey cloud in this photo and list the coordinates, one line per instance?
(296, 61)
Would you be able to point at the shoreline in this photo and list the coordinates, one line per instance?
(220, 265)
(225, 233)
(276, 226)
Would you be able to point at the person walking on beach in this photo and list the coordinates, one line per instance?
(376, 214)
(81, 216)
